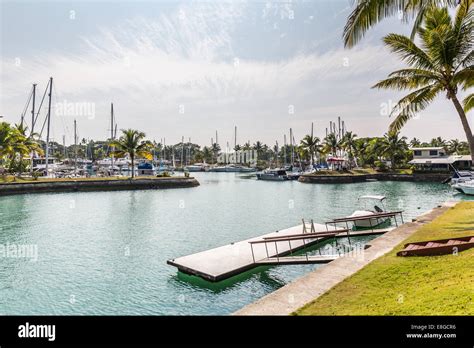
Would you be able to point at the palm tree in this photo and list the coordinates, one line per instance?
(368, 13)
(438, 142)
(442, 63)
(312, 145)
(258, 146)
(331, 144)
(457, 147)
(215, 148)
(415, 142)
(132, 143)
(393, 147)
(348, 143)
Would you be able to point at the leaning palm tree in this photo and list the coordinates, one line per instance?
(443, 62)
(132, 143)
(368, 13)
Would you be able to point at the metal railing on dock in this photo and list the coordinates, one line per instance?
(280, 257)
(369, 217)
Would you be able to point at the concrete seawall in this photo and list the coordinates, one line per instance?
(345, 179)
(301, 291)
(96, 185)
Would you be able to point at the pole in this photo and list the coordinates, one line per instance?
(49, 123)
(75, 147)
(235, 138)
(64, 145)
(284, 149)
(112, 135)
(182, 152)
(33, 109)
(292, 149)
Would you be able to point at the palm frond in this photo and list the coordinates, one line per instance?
(366, 14)
(409, 51)
(410, 105)
(468, 103)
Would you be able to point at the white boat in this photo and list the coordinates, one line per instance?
(466, 187)
(273, 175)
(376, 206)
(194, 168)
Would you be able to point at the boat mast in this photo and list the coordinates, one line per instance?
(312, 128)
(284, 149)
(49, 123)
(75, 146)
(112, 136)
(33, 109)
(182, 152)
(292, 149)
(235, 138)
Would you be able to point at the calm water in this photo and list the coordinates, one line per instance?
(105, 252)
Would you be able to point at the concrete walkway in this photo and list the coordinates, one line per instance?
(296, 294)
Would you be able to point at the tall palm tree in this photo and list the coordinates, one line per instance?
(368, 13)
(312, 145)
(393, 146)
(132, 143)
(443, 62)
(258, 146)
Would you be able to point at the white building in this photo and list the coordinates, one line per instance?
(435, 159)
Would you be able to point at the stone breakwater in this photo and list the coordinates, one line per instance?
(347, 178)
(95, 185)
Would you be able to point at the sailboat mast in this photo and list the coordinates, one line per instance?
(284, 149)
(49, 124)
(33, 109)
(112, 135)
(182, 152)
(292, 149)
(235, 137)
(75, 147)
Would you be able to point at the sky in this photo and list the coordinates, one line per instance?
(187, 69)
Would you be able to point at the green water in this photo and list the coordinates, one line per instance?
(105, 252)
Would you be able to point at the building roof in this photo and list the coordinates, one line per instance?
(426, 148)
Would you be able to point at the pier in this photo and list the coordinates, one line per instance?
(275, 248)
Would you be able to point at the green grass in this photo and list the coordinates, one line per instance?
(393, 285)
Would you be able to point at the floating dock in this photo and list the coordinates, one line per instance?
(269, 249)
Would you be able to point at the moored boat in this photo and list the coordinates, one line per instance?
(273, 175)
(377, 208)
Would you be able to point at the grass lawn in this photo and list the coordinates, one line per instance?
(393, 285)
(19, 180)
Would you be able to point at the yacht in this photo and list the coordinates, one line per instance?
(273, 175)
(466, 187)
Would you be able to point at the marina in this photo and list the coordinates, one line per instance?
(112, 237)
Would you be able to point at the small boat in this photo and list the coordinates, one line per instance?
(466, 187)
(461, 176)
(378, 207)
(437, 247)
(273, 175)
(194, 168)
